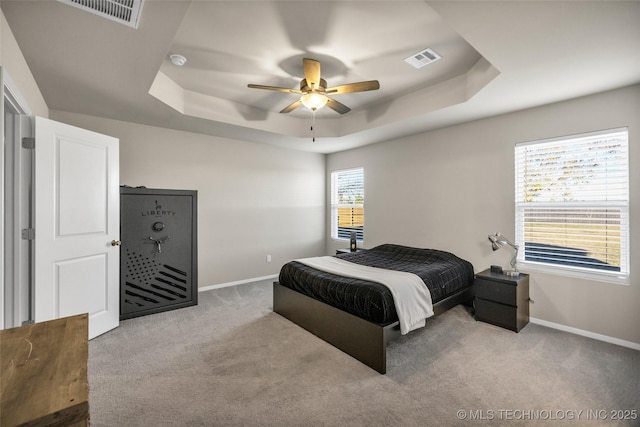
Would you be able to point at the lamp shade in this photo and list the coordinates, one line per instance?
(314, 101)
(497, 241)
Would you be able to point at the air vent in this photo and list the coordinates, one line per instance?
(126, 12)
(423, 58)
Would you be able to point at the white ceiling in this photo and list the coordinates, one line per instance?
(497, 57)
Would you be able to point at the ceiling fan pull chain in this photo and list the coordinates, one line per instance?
(313, 122)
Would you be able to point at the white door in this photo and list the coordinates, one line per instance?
(77, 225)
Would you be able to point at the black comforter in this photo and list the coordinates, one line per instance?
(442, 272)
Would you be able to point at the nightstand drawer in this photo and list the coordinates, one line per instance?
(496, 291)
(496, 313)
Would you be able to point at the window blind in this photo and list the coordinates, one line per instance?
(572, 202)
(347, 203)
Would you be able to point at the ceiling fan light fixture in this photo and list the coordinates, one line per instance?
(314, 101)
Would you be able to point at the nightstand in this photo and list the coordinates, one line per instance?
(502, 300)
(347, 251)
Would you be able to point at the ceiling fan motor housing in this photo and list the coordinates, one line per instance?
(304, 86)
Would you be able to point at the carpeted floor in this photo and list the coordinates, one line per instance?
(231, 361)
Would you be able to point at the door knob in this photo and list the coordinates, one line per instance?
(115, 243)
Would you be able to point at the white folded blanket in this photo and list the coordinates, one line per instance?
(410, 295)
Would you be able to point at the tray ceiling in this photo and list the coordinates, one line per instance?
(496, 57)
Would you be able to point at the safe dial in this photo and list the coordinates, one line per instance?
(157, 226)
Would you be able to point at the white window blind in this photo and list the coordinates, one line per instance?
(572, 203)
(347, 203)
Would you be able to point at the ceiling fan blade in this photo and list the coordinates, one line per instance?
(354, 87)
(276, 88)
(337, 106)
(289, 108)
(311, 72)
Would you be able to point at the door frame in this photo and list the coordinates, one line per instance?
(15, 199)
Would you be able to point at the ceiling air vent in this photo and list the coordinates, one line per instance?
(126, 12)
(420, 59)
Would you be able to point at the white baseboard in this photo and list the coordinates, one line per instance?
(593, 335)
(239, 282)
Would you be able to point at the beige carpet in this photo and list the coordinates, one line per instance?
(231, 361)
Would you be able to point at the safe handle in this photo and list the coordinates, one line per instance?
(159, 242)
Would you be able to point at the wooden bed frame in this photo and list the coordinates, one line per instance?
(364, 340)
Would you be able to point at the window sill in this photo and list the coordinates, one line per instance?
(617, 278)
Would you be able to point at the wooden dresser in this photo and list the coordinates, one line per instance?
(44, 373)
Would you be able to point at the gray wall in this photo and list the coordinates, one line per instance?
(450, 188)
(12, 60)
(253, 200)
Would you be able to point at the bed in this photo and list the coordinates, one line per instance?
(359, 316)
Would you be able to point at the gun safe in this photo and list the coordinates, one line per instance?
(158, 253)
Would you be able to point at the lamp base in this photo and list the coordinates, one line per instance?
(511, 273)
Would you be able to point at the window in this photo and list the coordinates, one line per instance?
(572, 204)
(347, 204)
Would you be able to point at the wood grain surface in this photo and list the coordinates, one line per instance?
(44, 373)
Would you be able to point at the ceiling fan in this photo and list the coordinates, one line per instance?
(313, 90)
